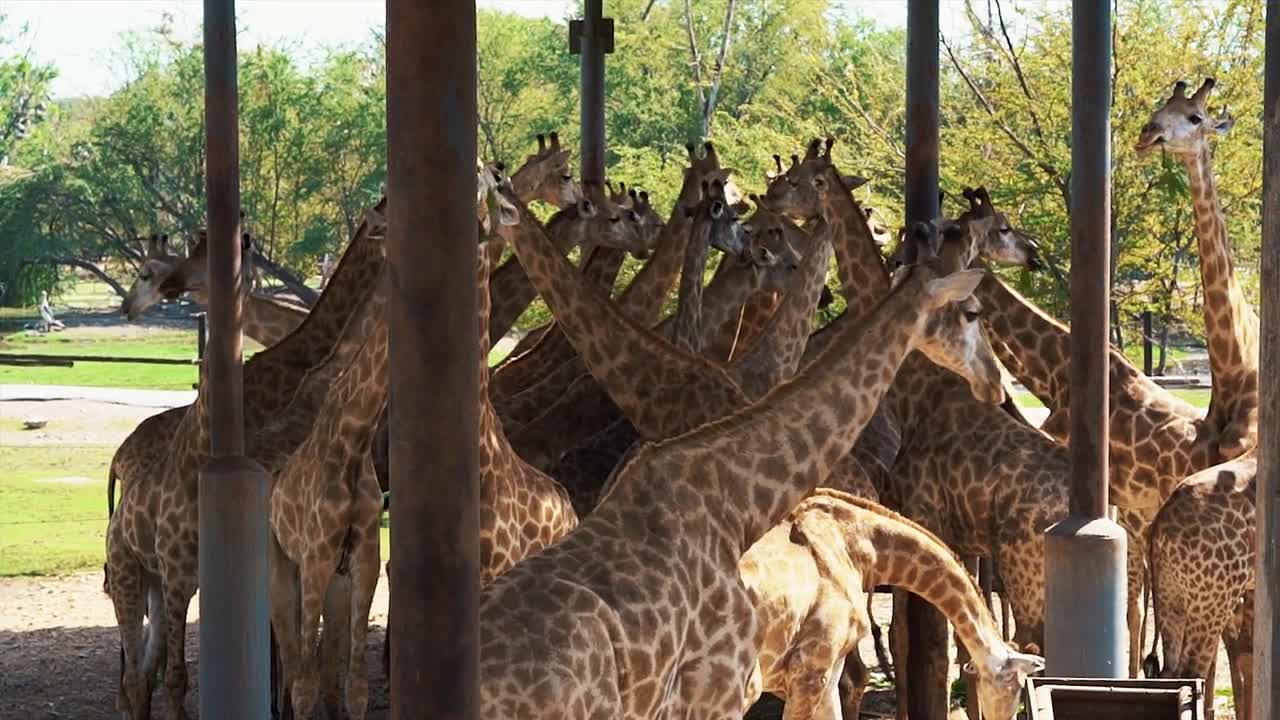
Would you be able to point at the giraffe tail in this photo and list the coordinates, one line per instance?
(111, 490)
(1151, 664)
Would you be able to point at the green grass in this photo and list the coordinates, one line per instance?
(1197, 397)
(47, 528)
(154, 343)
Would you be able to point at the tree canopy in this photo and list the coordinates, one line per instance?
(83, 179)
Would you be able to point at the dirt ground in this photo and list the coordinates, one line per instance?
(58, 637)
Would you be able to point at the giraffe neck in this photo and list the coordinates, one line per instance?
(644, 297)
(1034, 346)
(631, 362)
(1231, 325)
(757, 311)
(722, 305)
(776, 353)
(687, 328)
(859, 265)
(765, 459)
(267, 321)
(510, 291)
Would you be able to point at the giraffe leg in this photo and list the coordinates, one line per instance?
(177, 599)
(1239, 644)
(386, 635)
(365, 559)
(317, 568)
(335, 642)
(882, 654)
(853, 686)
(1133, 602)
(899, 641)
(134, 698)
(286, 611)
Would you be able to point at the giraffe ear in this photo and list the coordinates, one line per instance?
(853, 182)
(953, 288)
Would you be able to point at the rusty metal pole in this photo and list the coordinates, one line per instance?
(233, 490)
(927, 656)
(434, 393)
(1266, 639)
(1085, 574)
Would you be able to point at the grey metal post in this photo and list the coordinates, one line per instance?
(1085, 578)
(926, 662)
(1147, 363)
(434, 393)
(1266, 638)
(233, 490)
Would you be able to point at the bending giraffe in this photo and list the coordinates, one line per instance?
(639, 612)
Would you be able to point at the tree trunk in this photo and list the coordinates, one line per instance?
(291, 281)
(726, 33)
(1164, 345)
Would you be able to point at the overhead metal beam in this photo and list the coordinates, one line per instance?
(927, 658)
(1266, 638)
(1085, 575)
(233, 490)
(434, 391)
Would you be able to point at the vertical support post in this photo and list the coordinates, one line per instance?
(233, 489)
(1266, 638)
(434, 392)
(1146, 343)
(592, 92)
(202, 335)
(927, 657)
(1085, 573)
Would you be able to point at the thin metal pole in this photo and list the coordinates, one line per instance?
(1266, 639)
(1085, 575)
(233, 490)
(434, 394)
(1147, 363)
(926, 662)
(593, 90)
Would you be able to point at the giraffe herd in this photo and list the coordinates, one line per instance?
(679, 514)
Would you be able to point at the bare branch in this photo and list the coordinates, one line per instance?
(693, 52)
(1058, 179)
(644, 16)
(726, 32)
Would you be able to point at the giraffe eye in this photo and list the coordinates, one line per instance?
(972, 315)
(1195, 119)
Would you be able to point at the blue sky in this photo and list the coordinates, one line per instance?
(82, 37)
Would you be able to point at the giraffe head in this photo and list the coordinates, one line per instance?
(1002, 243)
(166, 276)
(1182, 125)
(493, 207)
(158, 264)
(953, 337)
(703, 171)
(800, 191)
(651, 223)
(1002, 675)
(546, 175)
(715, 219)
(769, 247)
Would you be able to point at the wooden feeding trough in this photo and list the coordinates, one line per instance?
(1103, 699)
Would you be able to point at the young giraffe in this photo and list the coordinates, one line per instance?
(809, 576)
(1201, 592)
(324, 516)
(151, 539)
(594, 628)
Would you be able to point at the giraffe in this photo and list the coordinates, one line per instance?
(151, 539)
(592, 627)
(546, 176)
(1156, 438)
(642, 299)
(1182, 126)
(808, 577)
(324, 517)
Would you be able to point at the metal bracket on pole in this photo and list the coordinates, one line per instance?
(604, 33)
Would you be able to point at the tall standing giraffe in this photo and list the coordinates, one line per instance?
(1203, 541)
(639, 612)
(1182, 127)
